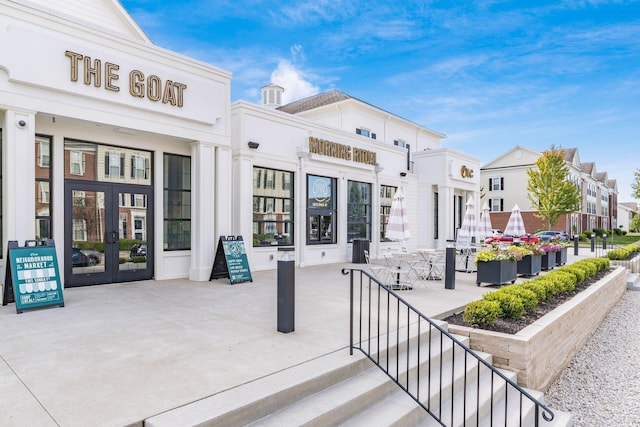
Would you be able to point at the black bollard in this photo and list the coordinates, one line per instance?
(286, 289)
(604, 241)
(593, 243)
(576, 239)
(450, 269)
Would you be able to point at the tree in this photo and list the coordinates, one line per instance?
(549, 190)
(635, 223)
(636, 184)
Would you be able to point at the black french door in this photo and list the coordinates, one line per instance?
(108, 233)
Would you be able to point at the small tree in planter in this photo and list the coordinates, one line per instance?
(497, 265)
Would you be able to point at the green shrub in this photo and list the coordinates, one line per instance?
(510, 304)
(565, 280)
(528, 297)
(589, 266)
(536, 288)
(620, 253)
(482, 312)
(583, 236)
(579, 273)
(552, 287)
(600, 263)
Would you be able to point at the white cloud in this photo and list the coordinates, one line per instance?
(294, 81)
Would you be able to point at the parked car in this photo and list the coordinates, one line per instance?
(139, 249)
(94, 256)
(79, 259)
(505, 238)
(552, 234)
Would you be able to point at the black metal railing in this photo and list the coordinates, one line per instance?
(442, 374)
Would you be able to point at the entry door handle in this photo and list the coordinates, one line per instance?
(111, 237)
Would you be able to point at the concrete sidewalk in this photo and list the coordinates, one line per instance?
(117, 354)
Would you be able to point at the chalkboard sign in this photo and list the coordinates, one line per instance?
(231, 261)
(32, 277)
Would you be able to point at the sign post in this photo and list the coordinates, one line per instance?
(231, 261)
(32, 279)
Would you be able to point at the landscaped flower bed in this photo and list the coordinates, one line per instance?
(513, 299)
(540, 351)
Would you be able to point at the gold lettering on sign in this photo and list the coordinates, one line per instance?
(92, 72)
(466, 172)
(341, 151)
(74, 57)
(152, 87)
(111, 76)
(136, 87)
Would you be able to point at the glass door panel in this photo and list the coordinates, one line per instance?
(87, 230)
(133, 214)
(108, 233)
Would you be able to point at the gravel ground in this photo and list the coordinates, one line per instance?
(601, 385)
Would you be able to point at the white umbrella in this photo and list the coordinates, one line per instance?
(398, 222)
(484, 227)
(469, 223)
(515, 226)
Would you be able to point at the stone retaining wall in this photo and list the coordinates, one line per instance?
(539, 352)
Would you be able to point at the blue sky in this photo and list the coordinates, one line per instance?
(488, 74)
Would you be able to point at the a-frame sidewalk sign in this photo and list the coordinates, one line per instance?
(231, 260)
(32, 278)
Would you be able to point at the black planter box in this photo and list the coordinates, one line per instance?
(496, 272)
(530, 265)
(561, 256)
(549, 260)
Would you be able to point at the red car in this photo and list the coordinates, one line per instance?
(528, 238)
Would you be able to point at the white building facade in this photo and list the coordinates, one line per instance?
(133, 161)
(505, 180)
(320, 172)
(108, 141)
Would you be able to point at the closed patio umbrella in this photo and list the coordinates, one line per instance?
(469, 226)
(398, 222)
(515, 226)
(484, 226)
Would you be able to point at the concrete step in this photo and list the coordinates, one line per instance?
(340, 389)
(347, 399)
(257, 399)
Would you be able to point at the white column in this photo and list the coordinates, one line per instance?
(242, 196)
(18, 165)
(445, 215)
(204, 210)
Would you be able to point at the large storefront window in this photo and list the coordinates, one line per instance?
(272, 207)
(43, 187)
(177, 202)
(386, 198)
(1, 201)
(359, 211)
(321, 210)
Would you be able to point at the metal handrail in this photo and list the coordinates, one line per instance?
(387, 317)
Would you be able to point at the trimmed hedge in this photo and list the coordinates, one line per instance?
(513, 300)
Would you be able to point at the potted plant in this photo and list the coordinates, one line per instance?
(549, 256)
(531, 262)
(561, 253)
(497, 265)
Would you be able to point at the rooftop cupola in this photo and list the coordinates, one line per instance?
(272, 95)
